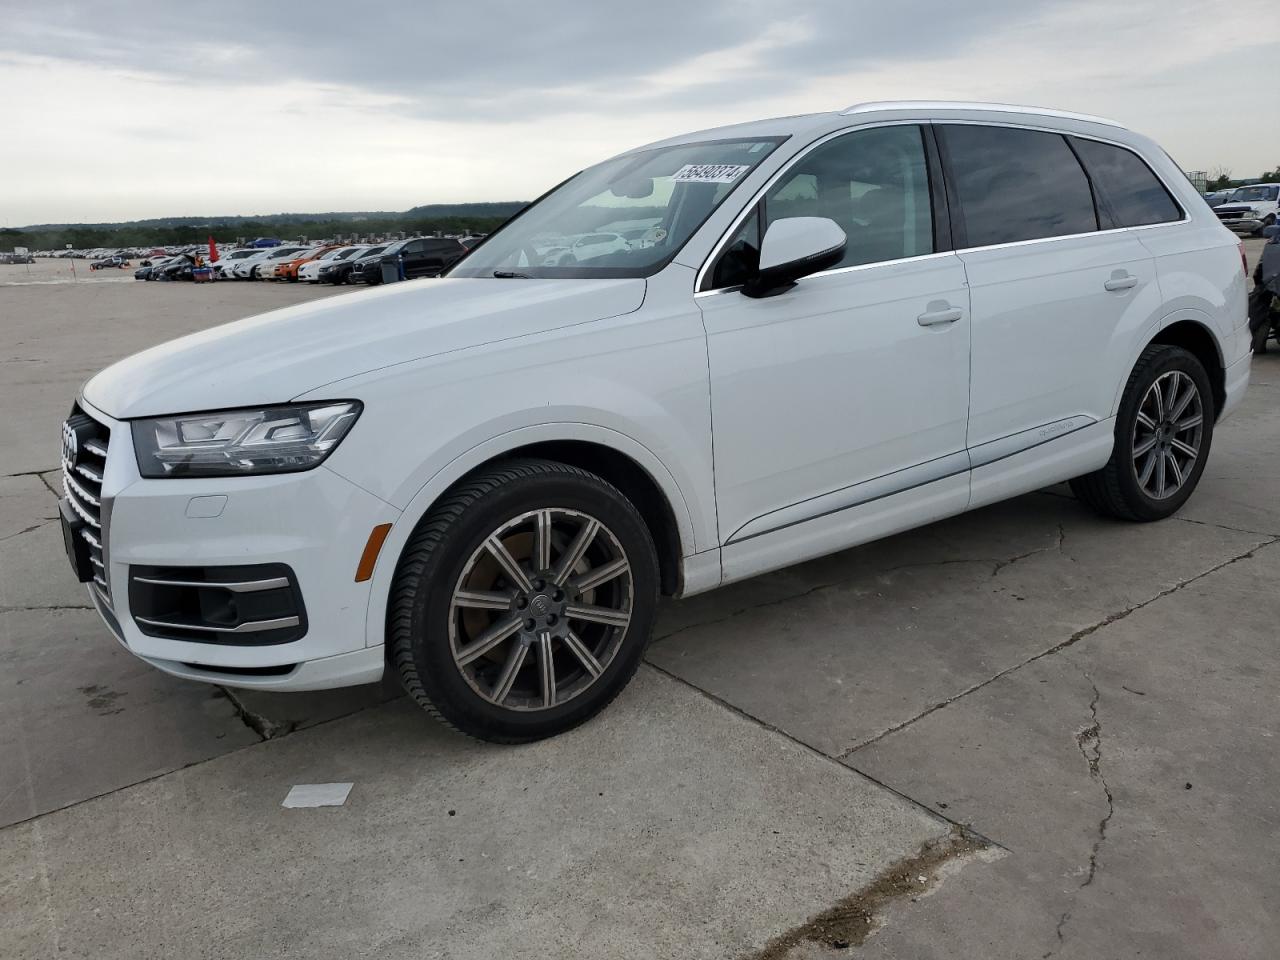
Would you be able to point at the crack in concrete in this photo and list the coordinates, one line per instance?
(1089, 743)
(815, 752)
(45, 480)
(1059, 647)
(1089, 740)
(1062, 538)
(36, 473)
(46, 606)
(1223, 526)
(264, 727)
(10, 536)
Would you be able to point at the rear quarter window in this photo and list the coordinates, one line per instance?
(1135, 195)
(1015, 184)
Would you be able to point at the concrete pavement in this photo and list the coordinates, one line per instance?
(1097, 701)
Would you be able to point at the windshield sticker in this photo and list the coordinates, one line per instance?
(709, 172)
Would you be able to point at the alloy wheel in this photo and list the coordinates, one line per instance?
(1167, 434)
(540, 609)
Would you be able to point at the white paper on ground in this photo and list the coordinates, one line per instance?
(318, 795)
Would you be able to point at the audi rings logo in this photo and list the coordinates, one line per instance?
(70, 445)
(540, 606)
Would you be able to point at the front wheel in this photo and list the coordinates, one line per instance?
(523, 602)
(1163, 432)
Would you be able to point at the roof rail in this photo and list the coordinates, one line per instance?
(932, 105)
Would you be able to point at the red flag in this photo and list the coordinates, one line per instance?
(213, 250)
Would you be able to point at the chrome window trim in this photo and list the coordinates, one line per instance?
(718, 248)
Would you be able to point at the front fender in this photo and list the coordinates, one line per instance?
(454, 470)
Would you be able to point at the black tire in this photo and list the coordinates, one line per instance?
(1115, 491)
(419, 611)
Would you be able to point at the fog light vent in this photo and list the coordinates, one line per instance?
(251, 605)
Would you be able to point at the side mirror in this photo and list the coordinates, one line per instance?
(795, 247)
(1271, 232)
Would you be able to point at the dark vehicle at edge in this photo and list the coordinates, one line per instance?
(416, 257)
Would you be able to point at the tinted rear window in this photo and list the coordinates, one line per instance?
(1017, 184)
(1135, 194)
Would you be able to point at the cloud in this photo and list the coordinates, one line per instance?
(342, 105)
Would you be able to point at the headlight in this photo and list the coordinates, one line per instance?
(258, 440)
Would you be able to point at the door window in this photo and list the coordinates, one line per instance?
(1016, 184)
(873, 183)
(1135, 194)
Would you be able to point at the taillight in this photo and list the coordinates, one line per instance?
(1244, 261)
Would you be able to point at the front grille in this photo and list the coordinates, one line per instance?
(84, 458)
(1231, 214)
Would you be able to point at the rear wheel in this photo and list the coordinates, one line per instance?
(1162, 437)
(523, 602)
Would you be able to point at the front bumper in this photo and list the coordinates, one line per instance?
(314, 522)
(1248, 224)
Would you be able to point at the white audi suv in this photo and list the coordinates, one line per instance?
(846, 324)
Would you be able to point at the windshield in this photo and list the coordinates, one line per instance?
(1255, 193)
(387, 248)
(626, 217)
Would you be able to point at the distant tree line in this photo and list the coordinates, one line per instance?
(173, 231)
(1220, 178)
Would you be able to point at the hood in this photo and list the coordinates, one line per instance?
(277, 356)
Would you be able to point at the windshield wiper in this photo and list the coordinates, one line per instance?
(510, 275)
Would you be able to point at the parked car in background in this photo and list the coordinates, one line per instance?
(178, 268)
(288, 270)
(587, 247)
(222, 269)
(152, 268)
(250, 268)
(339, 272)
(1250, 209)
(116, 262)
(263, 242)
(876, 318)
(1216, 197)
(310, 270)
(415, 257)
(281, 257)
(17, 258)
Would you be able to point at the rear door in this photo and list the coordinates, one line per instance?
(1054, 288)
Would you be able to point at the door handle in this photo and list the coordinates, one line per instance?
(935, 317)
(1120, 281)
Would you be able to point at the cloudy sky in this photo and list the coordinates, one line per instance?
(115, 111)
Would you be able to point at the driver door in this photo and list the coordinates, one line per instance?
(853, 386)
